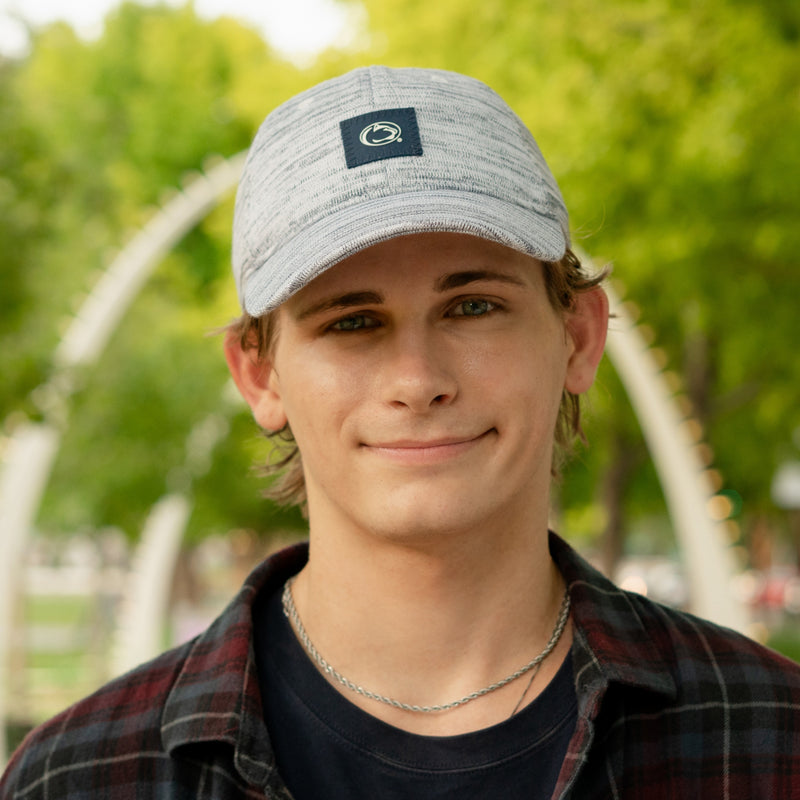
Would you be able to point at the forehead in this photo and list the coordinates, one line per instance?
(434, 261)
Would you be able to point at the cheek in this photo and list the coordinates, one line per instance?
(319, 399)
(531, 379)
(477, 362)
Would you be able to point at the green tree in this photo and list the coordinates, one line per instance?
(100, 129)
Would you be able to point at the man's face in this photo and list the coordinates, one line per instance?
(422, 379)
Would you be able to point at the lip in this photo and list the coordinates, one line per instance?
(426, 451)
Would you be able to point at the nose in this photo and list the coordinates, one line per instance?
(418, 373)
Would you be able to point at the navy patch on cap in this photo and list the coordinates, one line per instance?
(383, 134)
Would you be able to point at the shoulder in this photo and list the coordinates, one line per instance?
(633, 640)
(676, 701)
(679, 674)
(119, 721)
(198, 700)
(703, 654)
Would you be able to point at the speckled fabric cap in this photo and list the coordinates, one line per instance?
(378, 153)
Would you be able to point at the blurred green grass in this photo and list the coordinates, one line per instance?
(786, 640)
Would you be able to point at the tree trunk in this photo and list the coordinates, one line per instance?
(625, 458)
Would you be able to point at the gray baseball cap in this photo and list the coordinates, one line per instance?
(378, 153)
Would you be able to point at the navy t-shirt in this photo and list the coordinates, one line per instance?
(326, 747)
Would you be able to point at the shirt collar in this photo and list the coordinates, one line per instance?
(215, 697)
(611, 643)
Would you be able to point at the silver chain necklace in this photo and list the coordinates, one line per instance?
(290, 611)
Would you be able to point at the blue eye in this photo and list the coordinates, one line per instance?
(357, 322)
(473, 308)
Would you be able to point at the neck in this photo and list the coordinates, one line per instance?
(429, 621)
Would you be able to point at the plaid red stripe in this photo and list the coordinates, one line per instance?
(670, 706)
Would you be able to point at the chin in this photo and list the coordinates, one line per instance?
(422, 521)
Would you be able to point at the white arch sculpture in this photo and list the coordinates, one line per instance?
(29, 455)
(684, 478)
(31, 451)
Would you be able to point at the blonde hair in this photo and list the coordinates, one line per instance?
(564, 280)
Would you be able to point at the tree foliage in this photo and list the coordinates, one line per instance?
(99, 130)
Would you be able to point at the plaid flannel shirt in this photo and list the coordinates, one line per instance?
(669, 706)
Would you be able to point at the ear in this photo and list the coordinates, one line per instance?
(587, 326)
(257, 382)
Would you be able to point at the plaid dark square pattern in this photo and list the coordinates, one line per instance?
(669, 706)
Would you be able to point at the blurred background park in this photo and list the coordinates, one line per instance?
(673, 127)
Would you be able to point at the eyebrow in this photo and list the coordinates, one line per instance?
(456, 280)
(347, 300)
(453, 280)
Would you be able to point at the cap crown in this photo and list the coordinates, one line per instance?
(382, 152)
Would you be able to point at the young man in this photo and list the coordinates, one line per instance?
(418, 331)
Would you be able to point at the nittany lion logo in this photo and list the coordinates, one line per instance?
(378, 134)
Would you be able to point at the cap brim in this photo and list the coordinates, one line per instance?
(358, 226)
